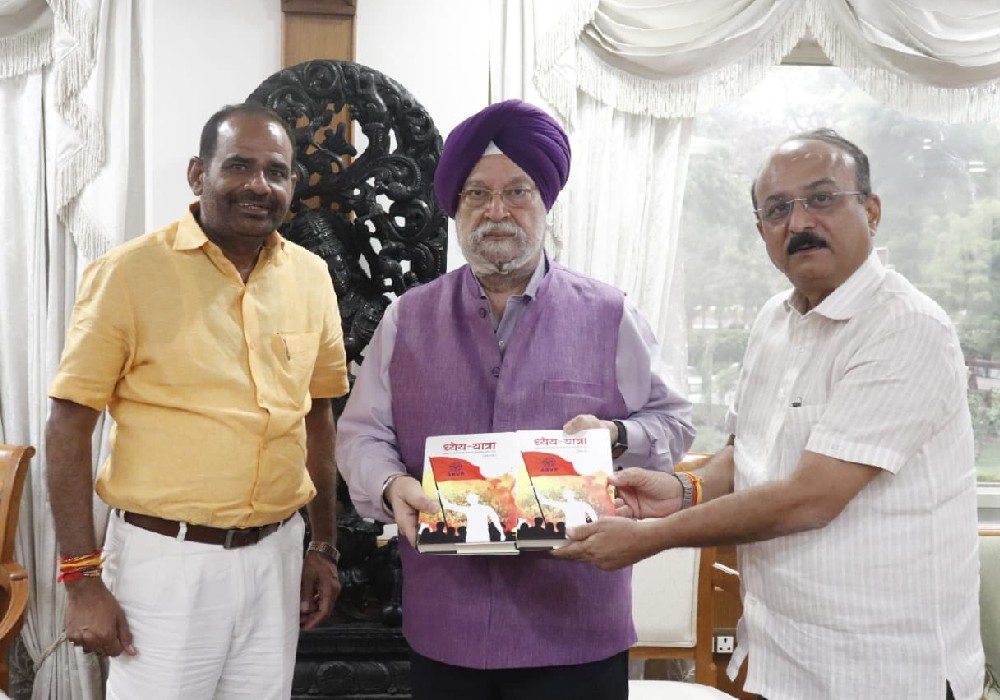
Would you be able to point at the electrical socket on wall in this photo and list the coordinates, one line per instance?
(724, 644)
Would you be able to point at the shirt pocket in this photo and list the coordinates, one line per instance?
(295, 359)
(563, 387)
(799, 424)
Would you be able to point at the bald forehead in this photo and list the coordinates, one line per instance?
(805, 163)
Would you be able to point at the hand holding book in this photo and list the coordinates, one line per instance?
(406, 499)
(612, 543)
(646, 494)
(585, 421)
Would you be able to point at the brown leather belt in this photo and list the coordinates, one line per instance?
(228, 539)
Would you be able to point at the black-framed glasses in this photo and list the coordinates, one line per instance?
(513, 197)
(778, 210)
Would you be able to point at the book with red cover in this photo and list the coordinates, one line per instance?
(563, 482)
(472, 477)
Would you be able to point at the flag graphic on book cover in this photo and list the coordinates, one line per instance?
(548, 464)
(472, 477)
(454, 469)
(564, 483)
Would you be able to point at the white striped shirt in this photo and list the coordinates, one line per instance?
(883, 601)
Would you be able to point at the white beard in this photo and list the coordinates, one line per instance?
(497, 257)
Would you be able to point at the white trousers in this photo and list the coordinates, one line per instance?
(207, 622)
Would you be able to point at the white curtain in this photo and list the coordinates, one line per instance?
(25, 36)
(627, 77)
(71, 186)
(618, 218)
(933, 58)
(623, 210)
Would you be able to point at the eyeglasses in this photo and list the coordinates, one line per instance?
(780, 209)
(513, 197)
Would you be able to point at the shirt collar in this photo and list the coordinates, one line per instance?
(191, 236)
(537, 276)
(851, 297)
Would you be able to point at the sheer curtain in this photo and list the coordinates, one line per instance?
(618, 218)
(623, 215)
(71, 111)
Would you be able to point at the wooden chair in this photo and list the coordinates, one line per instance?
(14, 585)
(673, 603)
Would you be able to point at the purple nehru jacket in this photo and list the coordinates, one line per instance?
(447, 377)
(527, 135)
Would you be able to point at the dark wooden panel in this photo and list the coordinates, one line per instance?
(340, 8)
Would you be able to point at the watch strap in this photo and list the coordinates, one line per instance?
(691, 489)
(620, 446)
(385, 488)
(325, 549)
(687, 490)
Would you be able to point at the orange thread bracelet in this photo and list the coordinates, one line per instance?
(76, 568)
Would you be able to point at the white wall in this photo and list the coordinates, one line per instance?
(200, 55)
(439, 50)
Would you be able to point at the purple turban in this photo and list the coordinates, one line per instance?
(525, 134)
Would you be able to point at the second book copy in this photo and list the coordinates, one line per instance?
(499, 493)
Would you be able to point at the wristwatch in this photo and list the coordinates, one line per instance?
(385, 488)
(619, 446)
(325, 549)
(687, 489)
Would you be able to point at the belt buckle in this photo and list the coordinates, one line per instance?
(228, 542)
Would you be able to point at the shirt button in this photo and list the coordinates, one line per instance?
(495, 372)
(482, 313)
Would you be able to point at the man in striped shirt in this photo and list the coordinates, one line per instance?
(849, 476)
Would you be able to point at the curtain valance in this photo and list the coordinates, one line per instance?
(673, 58)
(63, 38)
(25, 36)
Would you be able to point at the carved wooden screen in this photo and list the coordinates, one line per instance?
(372, 216)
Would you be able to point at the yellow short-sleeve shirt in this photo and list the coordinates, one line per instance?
(208, 379)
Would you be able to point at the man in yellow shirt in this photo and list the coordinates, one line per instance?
(215, 344)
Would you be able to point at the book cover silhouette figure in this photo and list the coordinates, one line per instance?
(478, 518)
(575, 512)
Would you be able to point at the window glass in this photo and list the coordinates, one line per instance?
(940, 228)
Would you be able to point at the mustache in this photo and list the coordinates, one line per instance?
(806, 239)
(480, 232)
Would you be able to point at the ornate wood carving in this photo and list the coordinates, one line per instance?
(372, 216)
(351, 662)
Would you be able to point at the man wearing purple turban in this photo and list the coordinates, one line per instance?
(510, 341)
